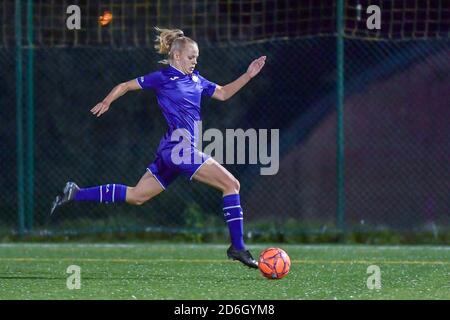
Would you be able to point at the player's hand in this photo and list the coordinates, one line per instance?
(100, 108)
(255, 67)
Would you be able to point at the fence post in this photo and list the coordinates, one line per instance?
(29, 185)
(340, 117)
(19, 117)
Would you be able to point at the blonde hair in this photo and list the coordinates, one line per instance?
(170, 40)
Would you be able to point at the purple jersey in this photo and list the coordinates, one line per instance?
(179, 97)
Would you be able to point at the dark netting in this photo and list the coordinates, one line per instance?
(396, 111)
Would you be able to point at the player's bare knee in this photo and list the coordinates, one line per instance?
(237, 185)
(133, 197)
(138, 202)
(141, 199)
(232, 186)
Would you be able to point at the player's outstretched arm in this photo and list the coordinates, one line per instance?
(115, 93)
(226, 92)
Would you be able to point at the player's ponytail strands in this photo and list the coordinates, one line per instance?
(108, 193)
(165, 39)
(169, 40)
(233, 215)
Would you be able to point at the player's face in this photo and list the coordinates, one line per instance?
(188, 58)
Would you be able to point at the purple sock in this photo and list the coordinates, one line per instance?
(233, 215)
(106, 194)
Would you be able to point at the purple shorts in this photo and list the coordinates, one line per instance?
(166, 168)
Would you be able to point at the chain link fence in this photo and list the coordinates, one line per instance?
(397, 138)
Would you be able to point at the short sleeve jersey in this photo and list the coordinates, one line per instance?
(179, 96)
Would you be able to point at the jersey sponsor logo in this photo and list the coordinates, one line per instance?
(173, 78)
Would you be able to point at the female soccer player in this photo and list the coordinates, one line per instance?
(179, 89)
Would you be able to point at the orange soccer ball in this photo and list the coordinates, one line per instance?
(274, 263)
(105, 18)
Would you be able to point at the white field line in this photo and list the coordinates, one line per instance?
(135, 261)
(155, 245)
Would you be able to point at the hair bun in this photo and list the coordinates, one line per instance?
(168, 39)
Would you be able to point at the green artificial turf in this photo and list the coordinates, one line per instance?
(201, 271)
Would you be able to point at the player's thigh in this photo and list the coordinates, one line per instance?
(146, 188)
(214, 174)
